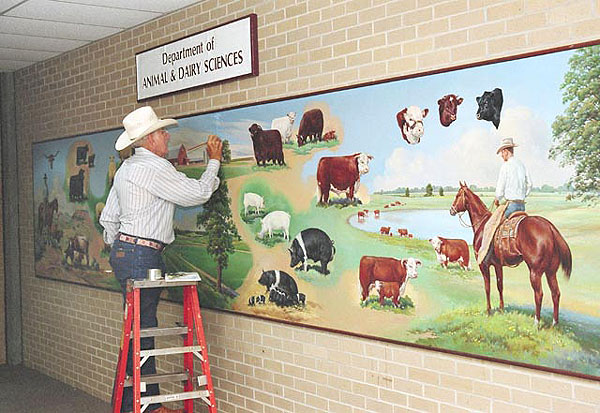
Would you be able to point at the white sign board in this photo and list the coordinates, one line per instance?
(225, 52)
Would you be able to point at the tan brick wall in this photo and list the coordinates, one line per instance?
(71, 332)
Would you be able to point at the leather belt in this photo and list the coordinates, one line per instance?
(141, 241)
(516, 201)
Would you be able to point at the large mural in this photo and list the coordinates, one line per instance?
(357, 210)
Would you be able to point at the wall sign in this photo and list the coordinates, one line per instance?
(347, 210)
(223, 53)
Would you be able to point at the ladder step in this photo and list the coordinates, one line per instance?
(174, 397)
(160, 283)
(159, 378)
(167, 331)
(171, 350)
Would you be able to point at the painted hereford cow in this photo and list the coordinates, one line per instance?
(387, 290)
(451, 250)
(448, 108)
(388, 269)
(341, 174)
(410, 121)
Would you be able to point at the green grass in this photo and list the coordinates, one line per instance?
(274, 201)
(406, 305)
(306, 149)
(230, 170)
(510, 335)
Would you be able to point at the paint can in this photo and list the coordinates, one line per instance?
(154, 274)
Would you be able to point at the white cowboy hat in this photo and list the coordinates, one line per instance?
(506, 143)
(139, 123)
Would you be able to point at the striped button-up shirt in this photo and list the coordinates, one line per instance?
(145, 191)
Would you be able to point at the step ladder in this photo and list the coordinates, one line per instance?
(195, 386)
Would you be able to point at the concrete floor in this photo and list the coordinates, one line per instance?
(26, 390)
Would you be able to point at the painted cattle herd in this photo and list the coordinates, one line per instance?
(352, 215)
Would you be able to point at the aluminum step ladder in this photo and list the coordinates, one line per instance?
(195, 386)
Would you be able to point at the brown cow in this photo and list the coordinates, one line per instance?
(403, 232)
(329, 136)
(267, 145)
(361, 216)
(341, 174)
(387, 290)
(386, 269)
(311, 127)
(451, 250)
(448, 108)
(384, 230)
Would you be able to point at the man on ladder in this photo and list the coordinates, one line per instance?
(138, 217)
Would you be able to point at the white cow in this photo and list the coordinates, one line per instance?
(276, 220)
(253, 200)
(284, 126)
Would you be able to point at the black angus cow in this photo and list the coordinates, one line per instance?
(311, 127)
(490, 105)
(285, 287)
(82, 154)
(267, 145)
(312, 243)
(76, 186)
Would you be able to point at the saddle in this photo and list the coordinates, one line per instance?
(505, 238)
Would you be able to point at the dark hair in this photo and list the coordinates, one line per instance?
(511, 149)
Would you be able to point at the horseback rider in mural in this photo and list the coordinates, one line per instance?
(514, 185)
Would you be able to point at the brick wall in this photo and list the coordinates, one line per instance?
(71, 332)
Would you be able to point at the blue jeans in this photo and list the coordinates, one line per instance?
(130, 261)
(513, 207)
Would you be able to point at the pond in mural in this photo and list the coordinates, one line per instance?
(339, 212)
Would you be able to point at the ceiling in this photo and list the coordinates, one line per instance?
(35, 30)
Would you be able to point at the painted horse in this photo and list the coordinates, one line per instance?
(538, 242)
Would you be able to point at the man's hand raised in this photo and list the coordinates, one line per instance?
(214, 147)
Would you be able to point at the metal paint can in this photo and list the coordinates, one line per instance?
(154, 274)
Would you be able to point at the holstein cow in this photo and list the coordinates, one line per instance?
(276, 220)
(451, 250)
(410, 121)
(388, 269)
(253, 200)
(341, 174)
(311, 126)
(267, 145)
(312, 243)
(490, 105)
(284, 126)
(448, 108)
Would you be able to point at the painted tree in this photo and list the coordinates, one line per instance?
(217, 221)
(226, 151)
(429, 190)
(441, 191)
(576, 132)
(407, 192)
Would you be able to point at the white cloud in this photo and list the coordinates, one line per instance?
(473, 157)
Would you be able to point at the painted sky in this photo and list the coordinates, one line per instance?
(464, 151)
